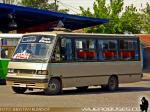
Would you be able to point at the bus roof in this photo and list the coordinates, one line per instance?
(5, 35)
(55, 33)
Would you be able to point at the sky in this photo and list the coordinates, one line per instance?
(73, 5)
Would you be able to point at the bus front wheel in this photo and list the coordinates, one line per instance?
(54, 87)
(19, 90)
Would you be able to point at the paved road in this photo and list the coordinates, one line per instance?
(127, 96)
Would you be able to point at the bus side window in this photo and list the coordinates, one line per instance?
(4, 53)
(66, 49)
(91, 52)
(107, 50)
(56, 53)
(128, 50)
(8, 46)
(80, 49)
(63, 51)
(85, 49)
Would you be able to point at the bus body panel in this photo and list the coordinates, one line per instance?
(26, 73)
(95, 73)
(25, 65)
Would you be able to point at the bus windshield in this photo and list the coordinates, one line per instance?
(33, 48)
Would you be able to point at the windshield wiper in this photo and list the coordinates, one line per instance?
(30, 60)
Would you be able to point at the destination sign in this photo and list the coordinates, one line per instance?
(37, 39)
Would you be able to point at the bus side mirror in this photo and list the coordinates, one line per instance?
(55, 58)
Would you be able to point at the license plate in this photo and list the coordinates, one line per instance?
(23, 85)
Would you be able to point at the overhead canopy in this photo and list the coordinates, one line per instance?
(26, 17)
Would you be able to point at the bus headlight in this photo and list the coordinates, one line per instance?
(42, 72)
(10, 70)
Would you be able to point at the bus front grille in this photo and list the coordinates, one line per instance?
(24, 85)
(24, 71)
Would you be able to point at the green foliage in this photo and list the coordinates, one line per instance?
(131, 20)
(42, 4)
(119, 21)
(146, 19)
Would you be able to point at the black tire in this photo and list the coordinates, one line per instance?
(112, 83)
(83, 88)
(19, 90)
(54, 87)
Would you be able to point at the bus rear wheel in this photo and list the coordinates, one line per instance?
(112, 83)
(19, 90)
(54, 87)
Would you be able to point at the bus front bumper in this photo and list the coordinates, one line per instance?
(27, 82)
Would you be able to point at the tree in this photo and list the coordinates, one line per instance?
(146, 19)
(131, 20)
(118, 20)
(101, 10)
(42, 4)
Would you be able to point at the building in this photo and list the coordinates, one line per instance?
(145, 40)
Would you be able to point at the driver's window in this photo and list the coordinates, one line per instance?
(56, 53)
(63, 50)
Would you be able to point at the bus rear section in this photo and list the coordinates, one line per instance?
(74, 60)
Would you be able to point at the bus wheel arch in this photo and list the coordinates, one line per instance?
(113, 83)
(54, 86)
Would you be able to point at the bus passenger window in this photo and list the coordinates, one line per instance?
(4, 53)
(66, 49)
(107, 50)
(91, 53)
(8, 45)
(80, 46)
(85, 49)
(128, 49)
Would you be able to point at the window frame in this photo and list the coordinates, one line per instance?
(96, 38)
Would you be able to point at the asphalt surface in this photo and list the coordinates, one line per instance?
(128, 95)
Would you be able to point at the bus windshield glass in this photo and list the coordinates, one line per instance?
(33, 48)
